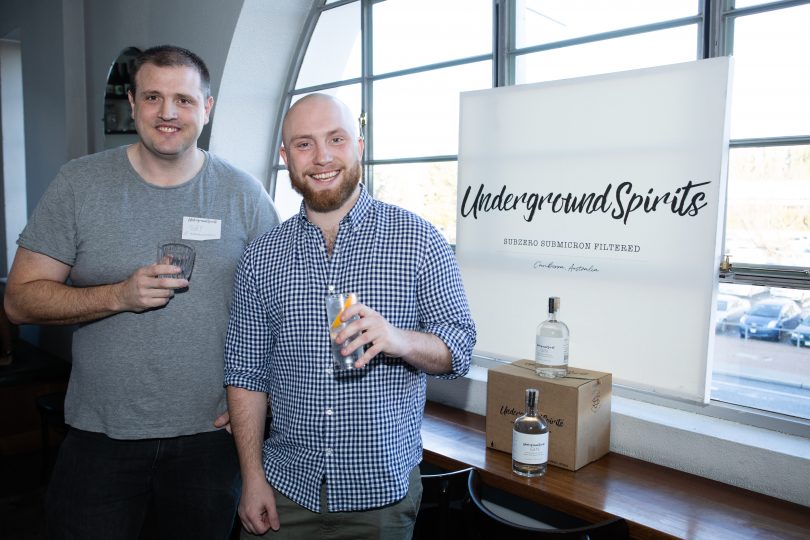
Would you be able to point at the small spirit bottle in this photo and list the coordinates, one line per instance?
(551, 347)
(530, 440)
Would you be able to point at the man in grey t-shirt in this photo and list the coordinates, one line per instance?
(145, 400)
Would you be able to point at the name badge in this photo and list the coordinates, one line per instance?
(195, 228)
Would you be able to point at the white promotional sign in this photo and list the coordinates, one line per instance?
(606, 191)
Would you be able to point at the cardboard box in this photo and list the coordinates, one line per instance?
(576, 407)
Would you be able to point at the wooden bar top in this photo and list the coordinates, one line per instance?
(656, 501)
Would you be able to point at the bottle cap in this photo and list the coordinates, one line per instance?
(553, 304)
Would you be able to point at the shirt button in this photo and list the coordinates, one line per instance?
(328, 452)
(329, 371)
(329, 412)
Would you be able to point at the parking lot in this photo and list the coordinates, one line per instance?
(767, 375)
(759, 359)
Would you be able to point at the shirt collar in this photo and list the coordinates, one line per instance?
(361, 208)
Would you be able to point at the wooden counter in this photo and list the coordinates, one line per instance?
(657, 502)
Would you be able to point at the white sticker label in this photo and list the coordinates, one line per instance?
(551, 351)
(530, 448)
(195, 228)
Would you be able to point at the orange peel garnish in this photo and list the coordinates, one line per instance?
(349, 301)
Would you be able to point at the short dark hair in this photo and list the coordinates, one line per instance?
(170, 56)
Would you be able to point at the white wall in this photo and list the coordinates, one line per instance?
(253, 84)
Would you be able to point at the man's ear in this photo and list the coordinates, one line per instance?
(209, 104)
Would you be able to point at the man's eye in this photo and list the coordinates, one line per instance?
(302, 146)
(337, 140)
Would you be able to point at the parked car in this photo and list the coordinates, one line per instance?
(729, 311)
(767, 319)
(801, 335)
(800, 296)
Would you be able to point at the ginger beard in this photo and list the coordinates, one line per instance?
(327, 201)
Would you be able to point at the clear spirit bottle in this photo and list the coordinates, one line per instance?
(551, 346)
(530, 440)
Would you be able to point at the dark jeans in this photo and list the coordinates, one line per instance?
(104, 488)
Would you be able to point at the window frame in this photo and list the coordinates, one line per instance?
(742, 272)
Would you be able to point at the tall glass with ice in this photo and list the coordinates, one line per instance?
(336, 304)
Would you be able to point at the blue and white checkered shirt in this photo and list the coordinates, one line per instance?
(359, 430)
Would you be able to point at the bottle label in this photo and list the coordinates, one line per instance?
(530, 448)
(552, 351)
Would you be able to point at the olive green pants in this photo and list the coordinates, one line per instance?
(392, 522)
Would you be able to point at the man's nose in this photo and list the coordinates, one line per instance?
(323, 154)
(168, 110)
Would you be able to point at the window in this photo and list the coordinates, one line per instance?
(761, 357)
(12, 149)
(558, 39)
(410, 100)
(404, 62)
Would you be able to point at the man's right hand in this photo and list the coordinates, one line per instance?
(145, 290)
(257, 506)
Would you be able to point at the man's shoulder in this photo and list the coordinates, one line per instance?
(397, 217)
(93, 168)
(107, 157)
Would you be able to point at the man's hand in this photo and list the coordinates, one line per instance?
(376, 331)
(223, 421)
(145, 290)
(420, 349)
(257, 506)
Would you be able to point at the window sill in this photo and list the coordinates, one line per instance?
(753, 458)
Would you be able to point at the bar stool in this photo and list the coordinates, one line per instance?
(442, 511)
(490, 525)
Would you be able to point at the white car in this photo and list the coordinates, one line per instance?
(729, 310)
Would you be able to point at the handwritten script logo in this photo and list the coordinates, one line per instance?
(619, 202)
(514, 413)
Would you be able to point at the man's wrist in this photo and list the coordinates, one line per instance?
(115, 297)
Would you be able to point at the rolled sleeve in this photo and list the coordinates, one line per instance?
(444, 310)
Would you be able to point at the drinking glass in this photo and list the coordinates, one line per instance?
(180, 255)
(336, 304)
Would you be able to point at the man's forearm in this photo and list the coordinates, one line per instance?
(48, 302)
(248, 410)
(428, 353)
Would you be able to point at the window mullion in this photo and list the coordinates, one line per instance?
(366, 32)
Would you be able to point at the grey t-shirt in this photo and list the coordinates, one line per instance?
(158, 373)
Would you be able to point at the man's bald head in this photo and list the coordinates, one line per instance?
(317, 106)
